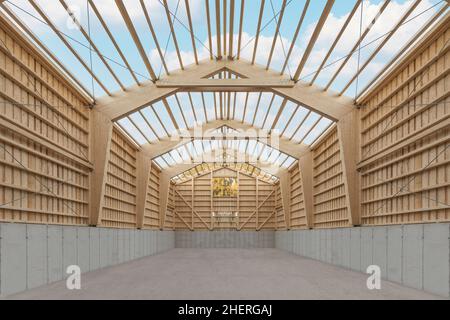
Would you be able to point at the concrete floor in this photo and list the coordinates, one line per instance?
(265, 274)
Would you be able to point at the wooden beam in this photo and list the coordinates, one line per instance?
(9, 125)
(241, 20)
(172, 31)
(314, 37)
(349, 145)
(286, 196)
(258, 30)
(91, 42)
(355, 47)
(100, 135)
(314, 98)
(275, 37)
(231, 32)
(67, 44)
(306, 166)
(224, 2)
(37, 49)
(294, 38)
(155, 38)
(195, 213)
(258, 228)
(381, 45)
(208, 23)
(143, 166)
(324, 103)
(126, 17)
(135, 98)
(164, 186)
(245, 132)
(425, 34)
(218, 35)
(336, 40)
(256, 210)
(224, 84)
(191, 29)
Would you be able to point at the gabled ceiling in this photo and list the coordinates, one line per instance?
(161, 67)
(338, 45)
(205, 168)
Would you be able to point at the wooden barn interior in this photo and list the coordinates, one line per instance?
(224, 149)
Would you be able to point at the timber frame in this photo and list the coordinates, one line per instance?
(331, 181)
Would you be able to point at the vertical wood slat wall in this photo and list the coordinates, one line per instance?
(151, 213)
(405, 140)
(198, 200)
(183, 209)
(226, 204)
(297, 204)
(169, 217)
(119, 207)
(203, 199)
(330, 204)
(280, 218)
(44, 134)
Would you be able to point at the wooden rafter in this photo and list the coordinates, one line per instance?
(68, 46)
(381, 45)
(296, 33)
(91, 42)
(258, 30)
(155, 38)
(357, 44)
(172, 32)
(126, 17)
(323, 18)
(191, 29)
(336, 40)
(275, 36)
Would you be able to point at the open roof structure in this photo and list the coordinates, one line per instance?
(169, 67)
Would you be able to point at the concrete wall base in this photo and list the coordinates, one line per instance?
(416, 256)
(33, 255)
(225, 239)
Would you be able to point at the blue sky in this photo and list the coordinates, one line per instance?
(156, 11)
(109, 11)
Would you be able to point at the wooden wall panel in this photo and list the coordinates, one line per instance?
(194, 203)
(44, 164)
(203, 200)
(151, 214)
(280, 218)
(169, 217)
(119, 209)
(330, 204)
(183, 205)
(298, 214)
(405, 140)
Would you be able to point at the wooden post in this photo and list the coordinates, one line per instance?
(192, 202)
(306, 172)
(349, 143)
(164, 188)
(285, 196)
(211, 195)
(100, 140)
(257, 202)
(143, 166)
